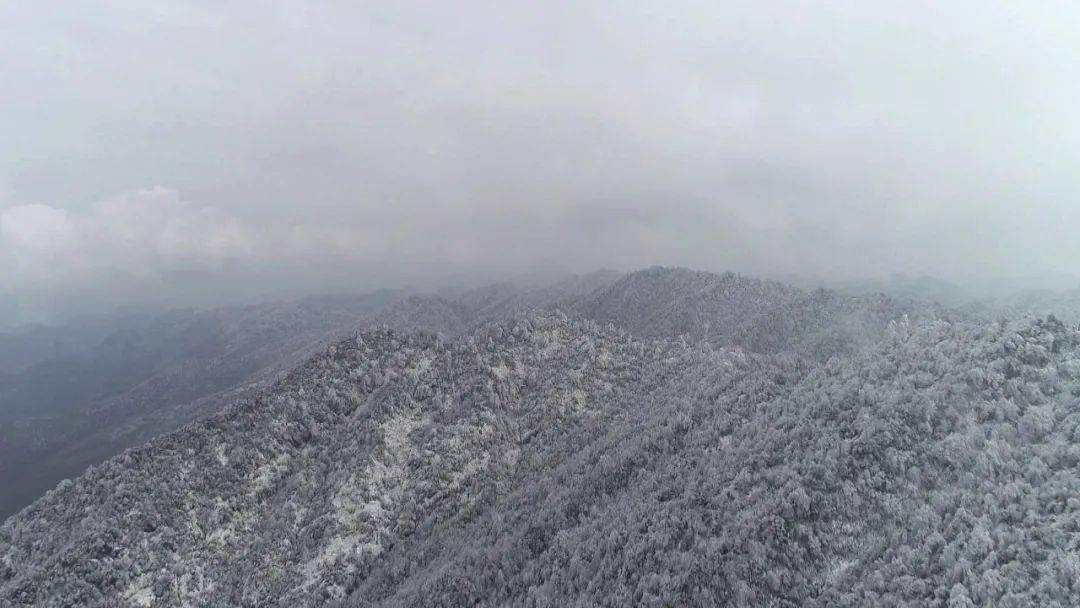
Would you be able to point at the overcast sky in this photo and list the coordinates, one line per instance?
(147, 145)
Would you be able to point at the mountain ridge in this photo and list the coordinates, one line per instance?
(553, 459)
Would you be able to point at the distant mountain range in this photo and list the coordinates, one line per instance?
(661, 438)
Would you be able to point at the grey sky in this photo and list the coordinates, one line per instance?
(146, 141)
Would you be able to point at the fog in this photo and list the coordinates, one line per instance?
(190, 152)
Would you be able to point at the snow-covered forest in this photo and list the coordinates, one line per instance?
(665, 438)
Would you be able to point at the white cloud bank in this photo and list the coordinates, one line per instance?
(141, 234)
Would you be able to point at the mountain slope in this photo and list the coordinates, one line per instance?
(939, 469)
(548, 461)
(151, 374)
(729, 310)
(78, 394)
(757, 446)
(338, 433)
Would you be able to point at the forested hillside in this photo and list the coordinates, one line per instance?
(738, 311)
(74, 395)
(85, 392)
(554, 460)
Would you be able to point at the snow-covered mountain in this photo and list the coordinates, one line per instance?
(665, 438)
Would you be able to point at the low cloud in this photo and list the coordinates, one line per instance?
(142, 234)
(356, 144)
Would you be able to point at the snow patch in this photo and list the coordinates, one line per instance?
(364, 505)
(336, 548)
(265, 476)
(139, 592)
(219, 453)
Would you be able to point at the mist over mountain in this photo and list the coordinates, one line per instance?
(1007, 297)
(660, 453)
(736, 311)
